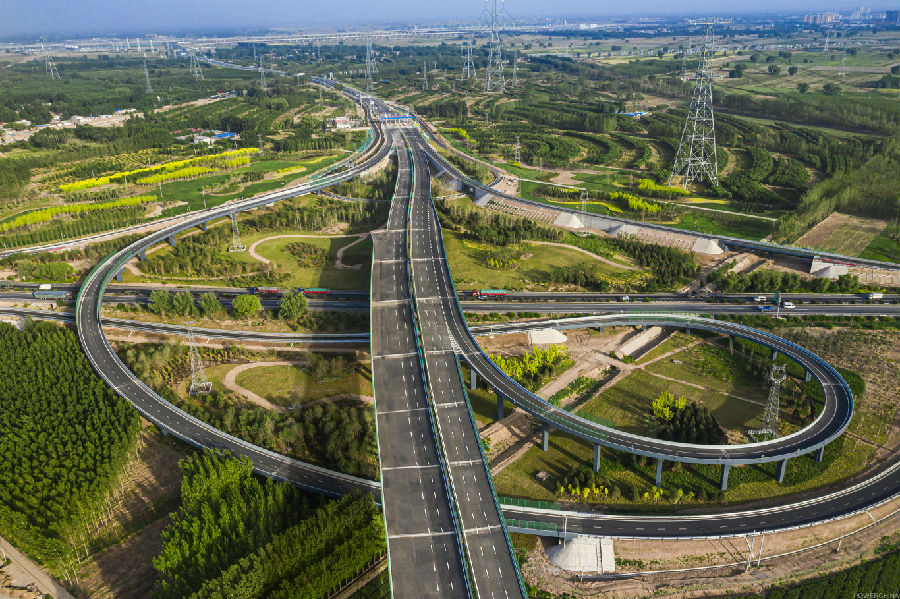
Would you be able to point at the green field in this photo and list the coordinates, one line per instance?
(468, 265)
(289, 385)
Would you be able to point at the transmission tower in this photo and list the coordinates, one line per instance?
(425, 76)
(196, 71)
(770, 416)
(50, 68)
(696, 155)
(147, 76)
(199, 382)
(843, 62)
(236, 245)
(370, 66)
(518, 160)
(468, 65)
(584, 199)
(262, 73)
(515, 79)
(493, 79)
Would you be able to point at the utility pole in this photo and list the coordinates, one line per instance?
(199, 382)
(696, 156)
(494, 80)
(236, 245)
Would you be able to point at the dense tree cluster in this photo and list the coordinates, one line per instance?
(691, 424)
(765, 280)
(64, 439)
(497, 229)
(235, 536)
(671, 266)
(536, 367)
(581, 274)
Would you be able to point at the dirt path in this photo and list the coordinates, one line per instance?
(230, 382)
(583, 251)
(339, 263)
(24, 572)
(252, 249)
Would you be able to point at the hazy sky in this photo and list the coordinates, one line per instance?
(53, 17)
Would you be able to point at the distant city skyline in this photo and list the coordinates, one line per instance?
(103, 17)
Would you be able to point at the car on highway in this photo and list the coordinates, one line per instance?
(765, 308)
(788, 305)
(625, 298)
(759, 298)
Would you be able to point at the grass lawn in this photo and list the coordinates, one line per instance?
(468, 265)
(675, 341)
(882, 248)
(714, 368)
(724, 224)
(275, 383)
(328, 276)
(628, 403)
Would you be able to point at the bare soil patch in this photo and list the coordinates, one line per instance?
(843, 234)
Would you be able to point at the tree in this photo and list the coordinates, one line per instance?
(803, 87)
(756, 57)
(246, 305)
(774, 70)
(183, 303)
(210, 305)
(831, 89)
(792, 71)
(293, 306)
(160, 301)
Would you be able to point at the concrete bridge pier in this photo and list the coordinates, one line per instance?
(596, 457)
(171, 239)
(119, 275)
(774, 354)
(779, 472)
(687, 330)
(142, 256)
(726, 468)
(659, 465)
(731, 343)
(203, 225)
(820, 454)
(499, 405)
(545, 436)
(473, 379)
(807, 376)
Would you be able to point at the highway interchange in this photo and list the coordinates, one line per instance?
(428, 445)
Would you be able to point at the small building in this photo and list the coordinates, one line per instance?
(341, 122)
(204, 139)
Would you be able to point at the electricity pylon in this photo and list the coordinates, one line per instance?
(696, 156)
(515, 78)
(518, 160)
(493, 79)
(50, 68)
(468, 65)
(236, 245)
(147, 76)
(199, 382)
(262, 73)
(196, 71)
(773, 405)
(425, 76)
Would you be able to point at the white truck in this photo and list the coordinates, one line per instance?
(45, 287)
(875, 296)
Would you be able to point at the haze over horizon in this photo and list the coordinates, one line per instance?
(99, 17)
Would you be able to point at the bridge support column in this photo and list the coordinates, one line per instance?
(820, 453)
(774, 354)
(142, 256)
(731, 343)
(659, 465)
(171, 239)
(473, 379)
(203, 226)
(725, 469)
(119, 276)
(545, 436)
(687, 330)
(779, 472)
(499, 406)
(807, 376)
(596, 457)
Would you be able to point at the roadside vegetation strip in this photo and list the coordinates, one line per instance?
(213, 159)
(45, 214)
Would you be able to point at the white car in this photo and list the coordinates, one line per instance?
(788, 305)
(760, 298)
